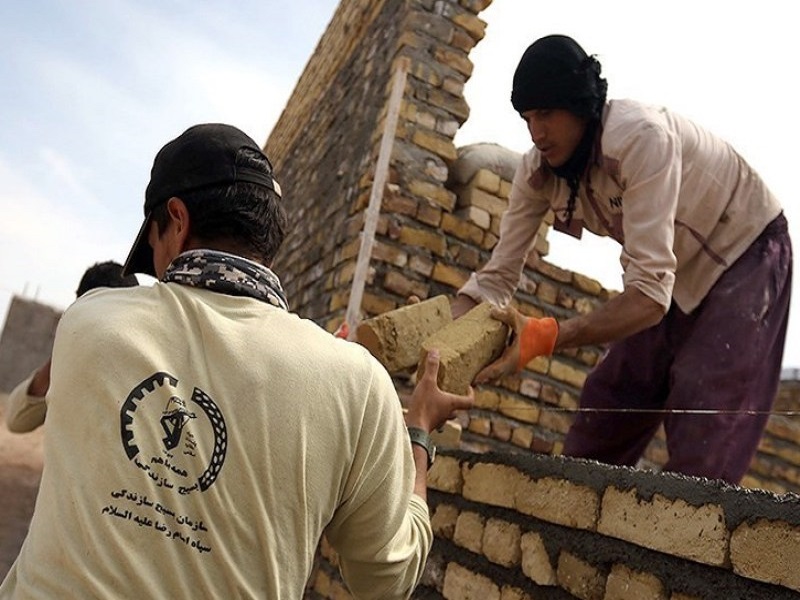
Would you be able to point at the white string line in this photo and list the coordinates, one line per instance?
(666, 411)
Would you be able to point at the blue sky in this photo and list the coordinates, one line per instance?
(90, 90)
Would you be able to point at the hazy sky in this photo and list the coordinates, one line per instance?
(90, 90)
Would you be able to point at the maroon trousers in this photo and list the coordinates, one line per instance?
(725, 356)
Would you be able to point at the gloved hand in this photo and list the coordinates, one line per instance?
(537, 338)
(532, 337)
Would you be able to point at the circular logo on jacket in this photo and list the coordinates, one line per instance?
(178, 440)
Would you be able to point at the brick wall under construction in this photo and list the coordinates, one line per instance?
(513, 519)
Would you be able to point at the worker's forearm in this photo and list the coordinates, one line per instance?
(623, 315)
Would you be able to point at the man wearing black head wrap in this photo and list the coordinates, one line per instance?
(707, 262)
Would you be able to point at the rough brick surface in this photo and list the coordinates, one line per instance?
(462, 584)
(445, 475)
(395, 337)
(469, 531)
(465, 346)
(761, 551)
(624, 584)
(535, 560)
(491, 484)
(501, 542)
(558, 501)
(670, 526)
(579, 578)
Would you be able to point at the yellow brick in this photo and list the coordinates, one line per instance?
(520, 410)
(477, 216)
(395, 337)
(558, 501)
(522, 437)
(579, 578)
(465, 347)
(448, 435)
(674, 527)
(586, 285)
(512, 593)
(450, 275)
(486, 399)
(536, 561)
(443, 521)
(624, 583)
(492, 204)
(469, 531)
(445, 475)
(439, 145)
(486, 180)
(434, 192)
(501, 542)
(372, 304)
(462, 229)
(472, 24)
(767, 551)
(423, 238)
(501, 430)
(491, 484)
(480, 425)
(462, 584)
(561, 371)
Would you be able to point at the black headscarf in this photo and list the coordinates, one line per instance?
(555, 72)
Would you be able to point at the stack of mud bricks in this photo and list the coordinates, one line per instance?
(484, 199)
(401, 339)
(526, 527)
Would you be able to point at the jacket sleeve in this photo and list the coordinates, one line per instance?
(651, 171)
(24, 412)
(498, 279)
(381, 531)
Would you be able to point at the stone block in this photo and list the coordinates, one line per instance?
(465, 346)
(395, 337)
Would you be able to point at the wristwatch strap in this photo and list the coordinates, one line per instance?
(421, 438)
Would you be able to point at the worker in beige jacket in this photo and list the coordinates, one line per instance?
(26, 407)
(201, 438)
(701, 321)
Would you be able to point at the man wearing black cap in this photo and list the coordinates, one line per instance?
(202, 437)
(707, 261)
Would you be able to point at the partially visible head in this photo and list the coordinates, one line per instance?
(105, 274)
(219, 177)
(555, 72)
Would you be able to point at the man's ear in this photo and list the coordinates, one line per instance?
(181, 221)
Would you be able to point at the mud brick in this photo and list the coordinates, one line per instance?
(395, 337)
(465, 346)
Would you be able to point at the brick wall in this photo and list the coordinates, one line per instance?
(512, 518)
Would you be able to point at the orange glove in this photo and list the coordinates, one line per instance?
(537, 338)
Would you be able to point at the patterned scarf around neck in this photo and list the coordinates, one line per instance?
(227, 274)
